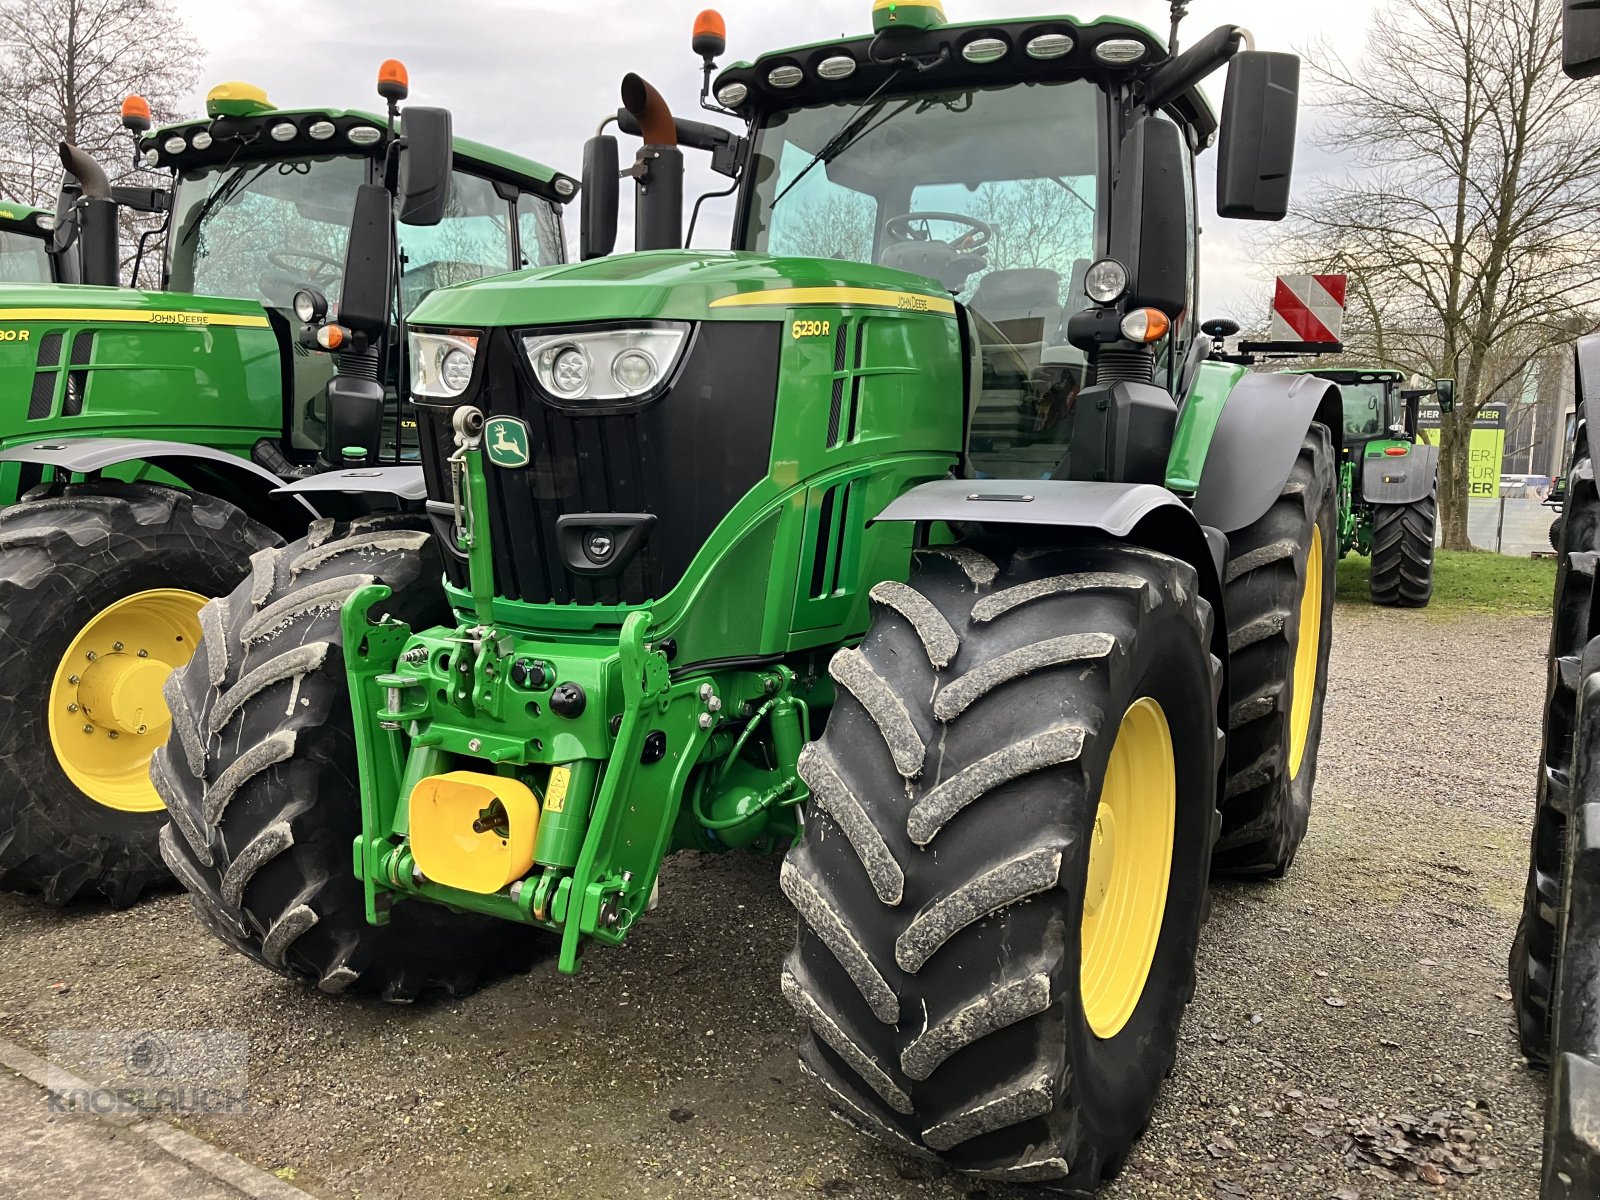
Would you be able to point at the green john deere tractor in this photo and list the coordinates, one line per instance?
(149, 432)
(1388, 481)
(915, 536)
(25, 235)
(1555, 955)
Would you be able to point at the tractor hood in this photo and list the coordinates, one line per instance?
(684, 285)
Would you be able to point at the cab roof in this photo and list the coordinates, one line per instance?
(259, 142)
(25, 218)
(1015, 65)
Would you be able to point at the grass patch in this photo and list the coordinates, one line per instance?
(1469, 581)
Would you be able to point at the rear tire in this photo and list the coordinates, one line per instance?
(1534, 950)
(942, 878)
(1267, 801)
(66, 558)
(260, 776)
(1402, 553)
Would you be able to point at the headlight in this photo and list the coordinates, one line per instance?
(441, 364)
(606, 364)
(1105, 281)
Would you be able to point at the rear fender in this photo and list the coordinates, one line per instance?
(1387, 479)
(200, 468)
(1138, 513)
(1257, 439)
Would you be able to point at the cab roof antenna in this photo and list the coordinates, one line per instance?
(1180, 10)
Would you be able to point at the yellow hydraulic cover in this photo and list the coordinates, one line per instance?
(473, 832)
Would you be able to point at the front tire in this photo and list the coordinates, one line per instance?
(1278, 587)
(1013, 747)
(100, 590)
(1402, 553)
(260, 776)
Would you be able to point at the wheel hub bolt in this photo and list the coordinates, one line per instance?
(91, 656)
(72, 679)
(117, 646)
(72, 708)
(144, 654)
(88, 728)
(113, 735)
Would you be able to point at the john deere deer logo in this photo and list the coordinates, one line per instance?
(506, 439)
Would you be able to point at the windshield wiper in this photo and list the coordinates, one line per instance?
(223, 192)
(849, 133)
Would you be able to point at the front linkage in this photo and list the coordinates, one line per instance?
(579, 847)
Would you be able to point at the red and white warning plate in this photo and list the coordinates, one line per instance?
(1308, 308)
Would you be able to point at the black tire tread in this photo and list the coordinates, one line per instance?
(262, 799)
(921, 1034)
(1402, 553)
(1265, 813)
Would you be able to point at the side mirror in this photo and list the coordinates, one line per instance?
(426, 165)
(601, 187)
(1580, 39)
(368, 259)
(1149, 227)
(1255, 158)
(1447, 394)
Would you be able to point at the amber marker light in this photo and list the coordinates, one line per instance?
(1145, 325)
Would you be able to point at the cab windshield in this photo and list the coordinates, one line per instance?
(264, 230)
(1365, 406)
(946, 185)
(23, 259)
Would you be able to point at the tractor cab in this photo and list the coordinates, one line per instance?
(1372, 406)
(25, 234)
(263, 208)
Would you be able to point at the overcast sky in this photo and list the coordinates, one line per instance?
(536, 76)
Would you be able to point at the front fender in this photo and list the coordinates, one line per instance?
(199, 468)
(1401, 479)
(1258, 436)
(1140, 513)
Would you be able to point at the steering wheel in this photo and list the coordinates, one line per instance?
(914, 227)
(323, 267)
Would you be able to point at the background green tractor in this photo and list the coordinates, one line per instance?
(1388, 481)
(149, 433)
(25, 236)
(944, 559)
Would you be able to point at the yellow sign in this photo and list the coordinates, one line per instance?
(555, 796)
(1486, 451)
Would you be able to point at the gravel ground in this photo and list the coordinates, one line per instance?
(1368, 984)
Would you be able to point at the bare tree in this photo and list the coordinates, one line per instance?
(65, 68)
(1471, 222)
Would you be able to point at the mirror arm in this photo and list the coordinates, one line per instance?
(1176, 76)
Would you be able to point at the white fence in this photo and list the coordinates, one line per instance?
(1510, 526)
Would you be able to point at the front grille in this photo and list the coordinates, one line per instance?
(686, 457)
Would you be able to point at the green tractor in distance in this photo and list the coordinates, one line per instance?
(1388, 481)
(25, 235)
(948, 563)
(149, 433)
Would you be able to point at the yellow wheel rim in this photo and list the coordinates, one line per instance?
(1130, 861)
(1308, 645)
(107, 715)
